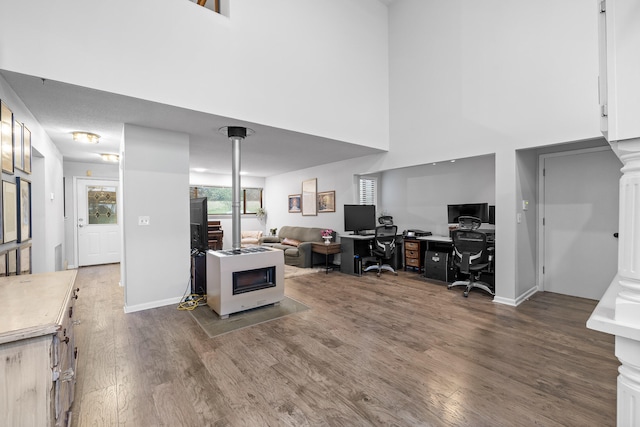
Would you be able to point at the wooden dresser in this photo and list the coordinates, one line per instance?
(414, 254)
(37, 349)
(215, 235)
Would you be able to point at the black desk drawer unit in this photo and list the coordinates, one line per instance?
(437, 266)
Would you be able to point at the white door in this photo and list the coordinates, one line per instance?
(98, 225)
(580, 218)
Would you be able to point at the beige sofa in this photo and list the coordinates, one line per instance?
(296, 244)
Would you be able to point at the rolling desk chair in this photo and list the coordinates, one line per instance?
(471, 254)
(384, 246)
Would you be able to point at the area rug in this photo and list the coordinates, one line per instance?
(214, 326)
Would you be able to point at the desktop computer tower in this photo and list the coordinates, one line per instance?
(437, 266)
(199, 273)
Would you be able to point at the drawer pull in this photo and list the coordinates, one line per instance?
(67, 375)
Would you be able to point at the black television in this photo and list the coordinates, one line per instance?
(359, 218)
(199, 224)
(479, 210)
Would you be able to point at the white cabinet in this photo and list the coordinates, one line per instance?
(619, 79)
(37, 349)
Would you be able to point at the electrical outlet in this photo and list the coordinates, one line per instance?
(143, 220)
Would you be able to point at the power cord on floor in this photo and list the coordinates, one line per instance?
(190, 301)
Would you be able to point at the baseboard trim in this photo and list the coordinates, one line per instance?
(152, 304)
(516, 302)
(506, 301)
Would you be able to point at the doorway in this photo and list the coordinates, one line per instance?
(579, 217)
(98, 226)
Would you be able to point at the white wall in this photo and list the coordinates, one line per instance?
(46, 181)
(338, 177)
(469, 78)
(417, 196)
(317, 67)
(155, 266)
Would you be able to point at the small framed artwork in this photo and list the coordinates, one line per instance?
(294, 203)
(23, 188)
(327, 201)
(309, 194)
(17, 145)
(9, 212)
(24, 260)
(6, 138)
(12, 262)
(26, 149)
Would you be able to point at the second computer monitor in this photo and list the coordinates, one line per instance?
(478, 210)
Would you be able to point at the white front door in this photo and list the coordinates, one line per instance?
(98, 225)
(580, 218)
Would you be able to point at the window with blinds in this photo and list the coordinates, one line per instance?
(368, 191)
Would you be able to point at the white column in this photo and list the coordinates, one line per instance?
(627, 302)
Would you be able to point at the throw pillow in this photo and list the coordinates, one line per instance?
(291, 242)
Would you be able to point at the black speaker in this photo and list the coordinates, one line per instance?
(199, 274)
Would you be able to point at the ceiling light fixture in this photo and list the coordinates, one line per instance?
(86, 137)
(110, 157)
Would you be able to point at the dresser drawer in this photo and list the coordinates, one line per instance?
(411, 245)
(412, 254)
(413, 262)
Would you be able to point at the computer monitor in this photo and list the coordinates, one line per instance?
(358, 218)
(199, 219)
(478, 210)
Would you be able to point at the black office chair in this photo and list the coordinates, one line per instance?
(471, 254)
(384, 247)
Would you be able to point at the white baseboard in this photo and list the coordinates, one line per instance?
(516, 302)
(152, 304)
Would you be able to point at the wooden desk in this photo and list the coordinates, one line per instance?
(323, 248)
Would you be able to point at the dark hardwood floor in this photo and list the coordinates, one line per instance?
(389, 351)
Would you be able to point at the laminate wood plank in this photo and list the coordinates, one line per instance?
(395, 350)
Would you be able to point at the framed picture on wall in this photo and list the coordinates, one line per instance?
(23, 188)
(9, 212)
(309, 194)
(26, 149)
(17, 145)
(6, 138)
(294, 203)
(327, 201)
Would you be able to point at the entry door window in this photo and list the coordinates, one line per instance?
(101, 205)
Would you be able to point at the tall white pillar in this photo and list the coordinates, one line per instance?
(618, 313)
(627, 304)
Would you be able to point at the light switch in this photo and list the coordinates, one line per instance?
(525, 205)
(519, 217)
(143, 220)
